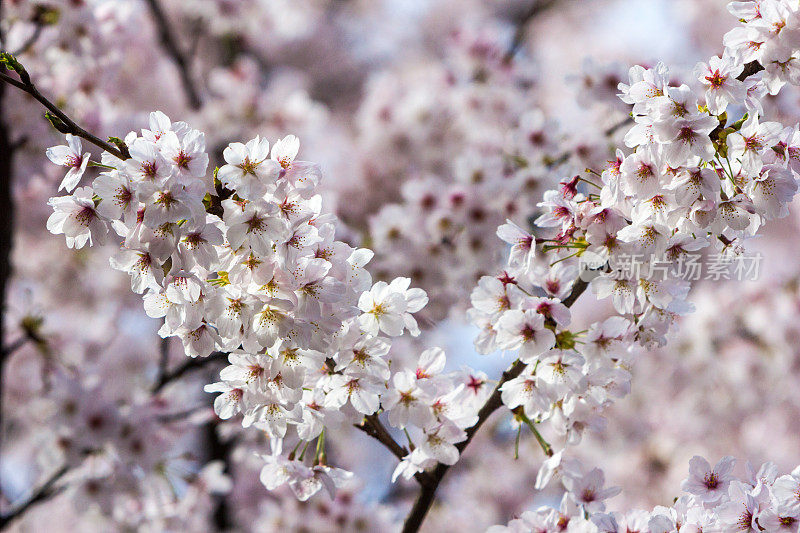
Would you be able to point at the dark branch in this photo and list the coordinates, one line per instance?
(189, 365)
(46, 491)
(537, 8)
(6, 235)
(750, 68)
(428, 491)
(577, 289)
(170, 44)
(373, 427)
(163, 359)
(67, 125)
(611, 130)
(37, 32)
(13, 347)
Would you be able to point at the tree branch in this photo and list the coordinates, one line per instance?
(538, 7)
(750, 68)
(13, 347)
(6, 236)
(428, 491)
(612, 129)
(187, 366)
(219, 449)
(163, 359)
(373, 427)
(67, 125)
(37, 32)
(46, 491)
(170, 45)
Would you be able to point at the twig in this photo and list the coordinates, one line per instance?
(750, 68)
(428, 491)
(187, 366)
(163, 360)
(538, 7)
(180, 415)
(37, 32)
(46, 491)
(611, 130)
(67, 124)
(170, 44)
(373, 427)
(14, 346)
(6, 235)
(546, 448)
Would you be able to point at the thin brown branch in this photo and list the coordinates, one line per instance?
(428, 491)
(170, 44)
(373, 427)
(14, 346)
(67, 125)
(622, 123)
(189, 365)
(6, 235)
(521, 27)
(750, 68)
(180, 416)
(30, 41)
(163, 359)
(45, 491)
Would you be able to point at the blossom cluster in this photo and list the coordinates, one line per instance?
(714, 499)
(769, 35)
(307, 332)
(694, 179)
(474, 147)
(244, 263)
(123, 453)
(746, 362)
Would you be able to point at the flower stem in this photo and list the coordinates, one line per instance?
(319, 454)
(548, 450)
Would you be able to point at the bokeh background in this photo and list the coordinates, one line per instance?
(411, 107)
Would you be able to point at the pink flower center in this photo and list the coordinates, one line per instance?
(711, 481)
(716, 79)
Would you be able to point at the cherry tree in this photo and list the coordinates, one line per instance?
(279, 316)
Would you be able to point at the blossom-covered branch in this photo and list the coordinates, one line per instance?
(235, 254)
(492, 404)
(713, 499)
(56, 116)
